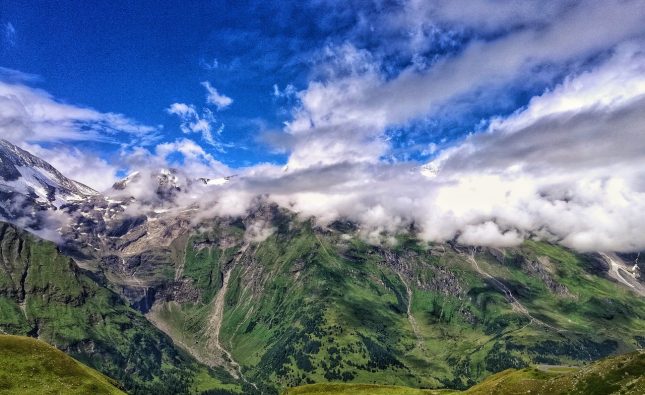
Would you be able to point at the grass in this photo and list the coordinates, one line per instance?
(31, 366)
(615, 375)
(360, 389)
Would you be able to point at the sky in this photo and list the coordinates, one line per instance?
(485, 121)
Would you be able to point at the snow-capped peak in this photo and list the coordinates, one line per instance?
(24, 174)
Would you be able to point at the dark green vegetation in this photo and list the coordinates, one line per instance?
(29, 366)
(613, 375)
(312, 305)
(46, 295)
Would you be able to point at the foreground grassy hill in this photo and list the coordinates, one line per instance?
(29, 366)
(623, 374)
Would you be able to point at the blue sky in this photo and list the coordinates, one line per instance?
(136, 58)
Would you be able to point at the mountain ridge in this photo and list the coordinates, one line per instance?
(278, 300)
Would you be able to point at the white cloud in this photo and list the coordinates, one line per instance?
(569, 167)
(192, 121)
(209, 65)
(215, 98)
(288, 92)
(29, 114)
(353, 105)
(196, 161)
(203, 122)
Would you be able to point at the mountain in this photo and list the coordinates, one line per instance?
(310, 305)
(28, 185)
(613, 375)
(44, 294)
(58, 373)
(270, 300)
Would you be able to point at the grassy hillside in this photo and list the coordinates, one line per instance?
(31, 366)
(615, 375)
(44, 294)
(308, 305)
(361, 389)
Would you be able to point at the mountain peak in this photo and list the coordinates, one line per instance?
(30, 184)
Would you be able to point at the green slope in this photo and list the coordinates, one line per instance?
(29, 366)
(308, 305)
(623, 374)
(46, 295)
(360, 389)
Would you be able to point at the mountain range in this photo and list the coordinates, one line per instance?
(143, 287)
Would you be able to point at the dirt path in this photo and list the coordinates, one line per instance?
(215, 324)
(517, 306)
(616, 269)
(411, 319)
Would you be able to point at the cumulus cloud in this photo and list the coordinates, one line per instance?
(194, 159)
(360, 100)
(168, 176)
(568, 167)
